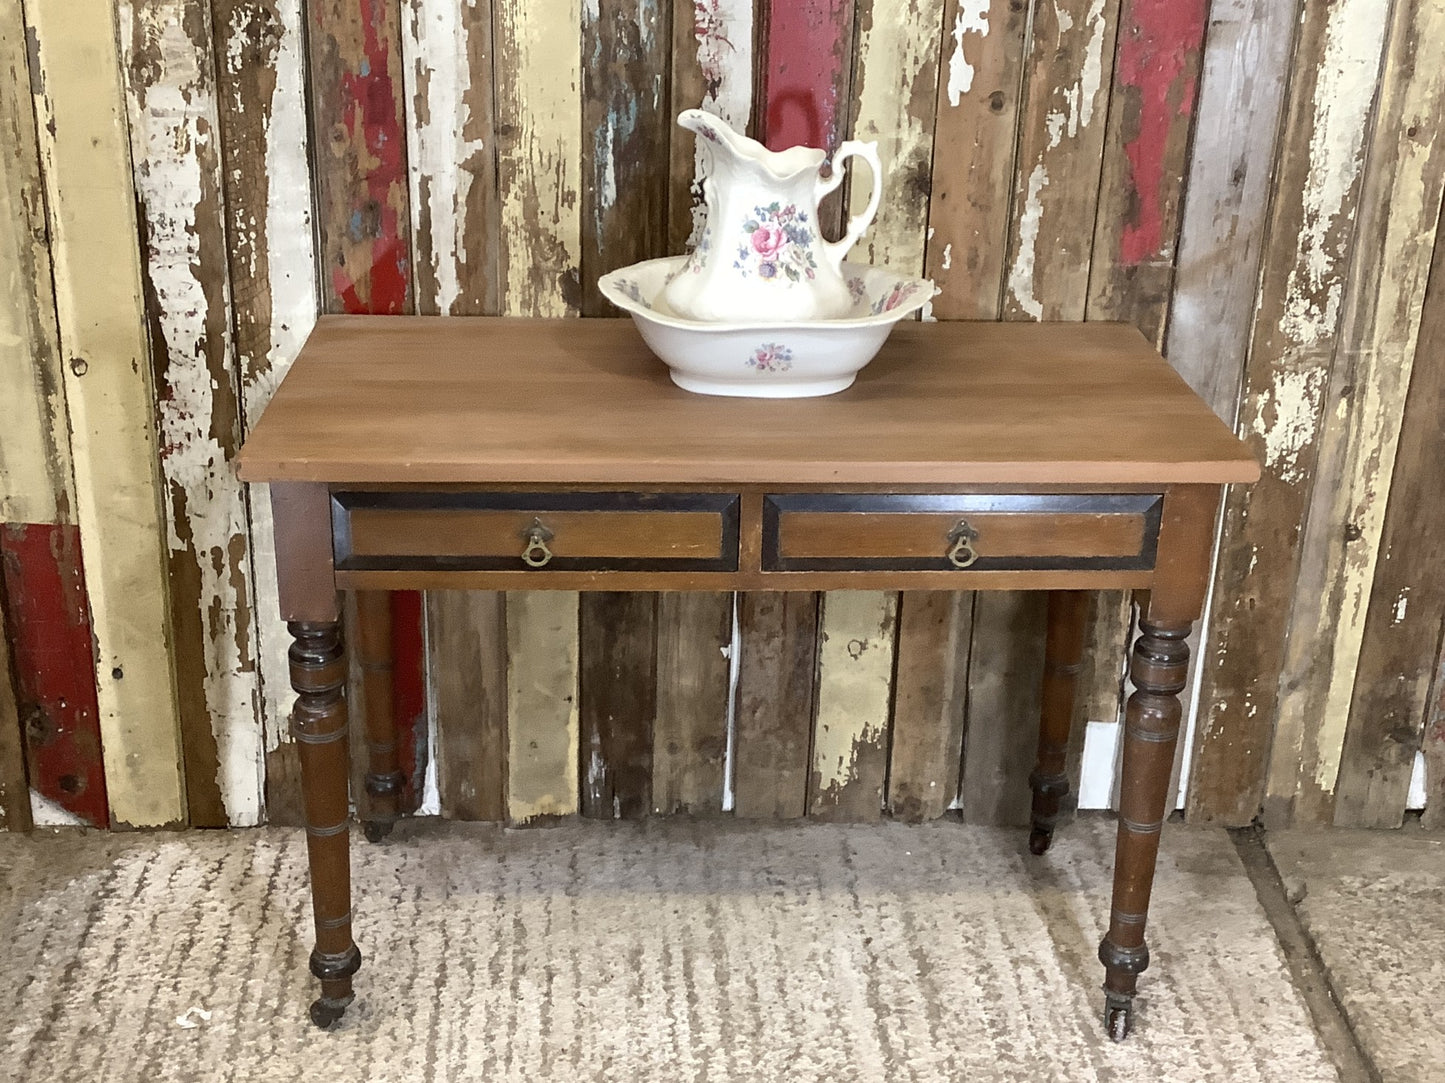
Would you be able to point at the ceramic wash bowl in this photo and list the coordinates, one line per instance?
(766, 359)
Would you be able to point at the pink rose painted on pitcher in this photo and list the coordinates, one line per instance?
(768, 239)
(779, 244)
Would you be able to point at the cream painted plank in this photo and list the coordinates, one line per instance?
(36, 481)
(855, 685)
(91, 203)
(262, 116)
(1362, 412)
(170, 91)
(539, 164)
(542, 712)
(894, 85)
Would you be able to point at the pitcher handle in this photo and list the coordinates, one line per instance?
(834, 251)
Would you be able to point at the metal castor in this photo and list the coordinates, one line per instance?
(326, 1013)
(376, 830)
(1118, 1017)
(1040, 839)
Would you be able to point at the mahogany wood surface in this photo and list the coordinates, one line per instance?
(422, 400)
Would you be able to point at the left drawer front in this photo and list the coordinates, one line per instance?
(472, 531)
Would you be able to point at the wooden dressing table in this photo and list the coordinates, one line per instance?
(505, 454)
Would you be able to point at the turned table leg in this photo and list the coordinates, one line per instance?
(1151, 730)
(383, 775)
(318, 722)
(1063, 657)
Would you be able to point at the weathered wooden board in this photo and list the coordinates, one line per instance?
(895, 84)
(778, 640)
(926, 749)
(451, 146)
(359, 145)
(36, 484)
(689, 735)
(855, 685)
(625, 141)
(266, 181)
(539, 167)
(1391, 708)
(1360, 425)
(975, 133)
(170, 91)
(618, 699)
(14, 788)
(1336, 65)
(109, 396)
(1003, 706)
(54, 676)
(542, 717)
(712, 68)
(468, 630)
(1433, 746)
(1236, 128)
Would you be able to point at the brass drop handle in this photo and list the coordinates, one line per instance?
(962, 553)
(536, 554)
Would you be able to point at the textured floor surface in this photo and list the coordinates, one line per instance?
(669, 951)
(1373, 902)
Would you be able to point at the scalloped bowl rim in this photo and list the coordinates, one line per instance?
(607, 283)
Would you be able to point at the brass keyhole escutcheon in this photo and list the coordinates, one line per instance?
(536, 554)
(962, 553)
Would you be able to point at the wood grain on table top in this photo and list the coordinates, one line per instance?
(489, 400)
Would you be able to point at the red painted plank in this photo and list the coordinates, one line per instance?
(1158, 60)
(408, 690)
(809, 57)
(51, 638)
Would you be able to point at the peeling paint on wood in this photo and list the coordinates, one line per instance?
(712, 68)
(468, 630)
(360, 147)
(14, 788)
(1336, 64)
(451, 144)
(973, 157)
(539, 139)
(778, 641)
(266, 181)
(50, 629)
(542, 710)
(926, 747)
(174, 143)
(91, 212)
(855, 685)
(1360, 430)
(36, 483)
(894, 92)
(617, 690)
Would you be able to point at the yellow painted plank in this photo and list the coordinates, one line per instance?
(86, 164)
(36, 484)
(542, 714)
(539, 164)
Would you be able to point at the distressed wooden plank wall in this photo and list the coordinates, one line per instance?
(1255, 185)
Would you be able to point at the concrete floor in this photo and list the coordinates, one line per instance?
(675, 951)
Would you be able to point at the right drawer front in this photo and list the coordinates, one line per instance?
(918, 532)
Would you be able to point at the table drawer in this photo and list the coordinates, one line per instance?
(485, 531)
(939, 532)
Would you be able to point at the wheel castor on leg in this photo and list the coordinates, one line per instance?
(1118, 1016)
(326, 1012)
(376, 830)
(1040, 839)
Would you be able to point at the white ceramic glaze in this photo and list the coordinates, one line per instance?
(760, 251)
(761, 358)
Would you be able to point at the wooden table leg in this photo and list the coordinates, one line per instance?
(383, 775)
(1151, 730)
(1063, 657)
(318, 722)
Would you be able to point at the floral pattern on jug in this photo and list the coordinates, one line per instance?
(895, 297)
(778, 240)
(771, 357)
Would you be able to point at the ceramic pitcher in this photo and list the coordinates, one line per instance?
(761, 256)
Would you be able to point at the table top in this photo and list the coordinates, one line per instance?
(430, 400)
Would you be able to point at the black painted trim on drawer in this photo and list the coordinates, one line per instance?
(343, 502)
(1149, 505)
